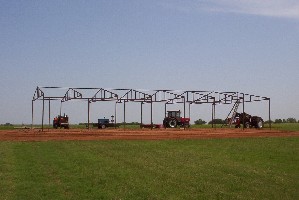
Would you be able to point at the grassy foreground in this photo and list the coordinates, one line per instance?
(251, 168)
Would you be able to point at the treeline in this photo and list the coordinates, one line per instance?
(288, 120)
(221, 121)
(7, 124)
(120, 123)
(215, 121)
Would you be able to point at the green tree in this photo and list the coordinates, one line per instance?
(217, 121)
(291, 120)
(200, 122)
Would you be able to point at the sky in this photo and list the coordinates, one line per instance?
(249, 46)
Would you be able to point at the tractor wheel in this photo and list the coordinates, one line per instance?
(259, 123)
(103, 126)
(55, 126)
(247, 125)
(172, 123)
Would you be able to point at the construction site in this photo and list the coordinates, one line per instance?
(174, 124)
(172, 118)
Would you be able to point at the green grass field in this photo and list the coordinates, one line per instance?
(251, 168)
(282, 126)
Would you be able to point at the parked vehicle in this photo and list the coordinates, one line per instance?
(105, 123)
(61, 122)
(248, 121)
(174, 119)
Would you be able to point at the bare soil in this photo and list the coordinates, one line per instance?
(141, 134)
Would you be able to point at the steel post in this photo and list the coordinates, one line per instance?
(124, 114)
(165, 115)
(32, 115)
(212, 117)
(88, 113)
(43, 113)
(115, 115)
(189, 110)
(184, 112)
(151, 113)
(141, 115)
(165, 110)
(270, 124)
(243, 111)
(49, 113)
(215, 113)
(60, 108)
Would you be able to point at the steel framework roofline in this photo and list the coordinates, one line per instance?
(158, 95)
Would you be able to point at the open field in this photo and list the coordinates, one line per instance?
(149, 164)
(229, 168)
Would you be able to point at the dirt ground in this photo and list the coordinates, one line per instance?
(141, 134)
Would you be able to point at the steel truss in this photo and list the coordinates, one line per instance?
(145, 96)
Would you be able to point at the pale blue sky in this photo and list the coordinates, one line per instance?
(222, 45)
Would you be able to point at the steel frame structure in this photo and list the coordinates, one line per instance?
(167, 97)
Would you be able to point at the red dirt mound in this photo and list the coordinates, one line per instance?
(141, 134)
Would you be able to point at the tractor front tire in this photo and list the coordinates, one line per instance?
(259, 124)
(172, 123)
(247, 125)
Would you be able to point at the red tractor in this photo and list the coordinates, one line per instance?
(61, 121)
(174, 119)
(248, 120)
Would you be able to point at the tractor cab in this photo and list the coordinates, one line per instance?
(174, 114)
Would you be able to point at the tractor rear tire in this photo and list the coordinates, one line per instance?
(172, 123)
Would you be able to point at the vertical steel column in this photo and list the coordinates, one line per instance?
(49, 113)
(214, 105)
(270, 114)
(141, 115)
(115, 115)
(189, 110)
(88, 114)
(60, 108)
(243, 118)
(165, 110)
(165, 114)
(212, 116)
(124, 114)
(43, 113)
(151, 113)
(184, 111)
(32, 115)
